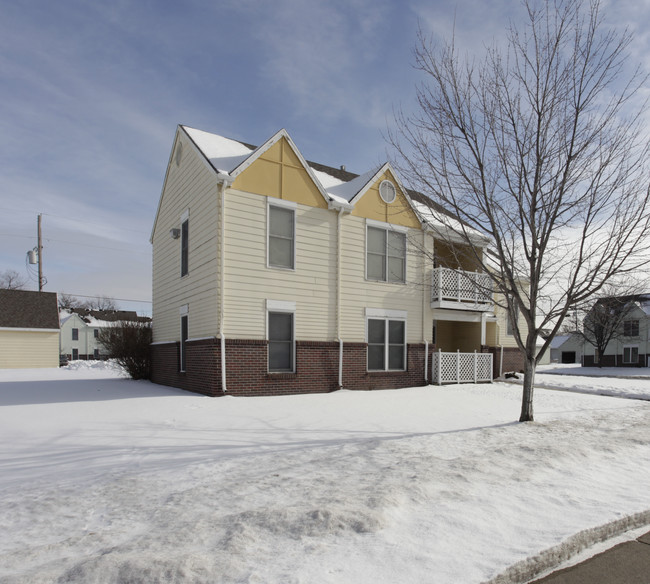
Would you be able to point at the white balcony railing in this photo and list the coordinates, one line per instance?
(459, 289)
(461, 367)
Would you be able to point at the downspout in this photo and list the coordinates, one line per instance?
(338, 295)
(424, 307)
(224, 182)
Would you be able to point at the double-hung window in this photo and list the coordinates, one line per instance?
(281, 235)
(386, 340)
(75, 334)
(385, 254)
(281, 336)
(631, 354)
(631, 328)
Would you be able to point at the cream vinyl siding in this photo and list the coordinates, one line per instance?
(357, 293)
(249, 282)
(28, 349)
(503, 338)
(191, 186)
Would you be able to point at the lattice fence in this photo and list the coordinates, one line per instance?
(461, 367)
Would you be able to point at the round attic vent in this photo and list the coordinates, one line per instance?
(387, 191)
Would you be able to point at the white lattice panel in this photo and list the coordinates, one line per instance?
(484, 367)
(461, 367)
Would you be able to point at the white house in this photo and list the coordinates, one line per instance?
(631, 346)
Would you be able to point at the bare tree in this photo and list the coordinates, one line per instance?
(68, 301)
(12, 280)
(100, 303)
(538, 146)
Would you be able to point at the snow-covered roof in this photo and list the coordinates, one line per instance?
(559, 340)
(447, 225)
(645, 306)
(339, 187)
(223, 153)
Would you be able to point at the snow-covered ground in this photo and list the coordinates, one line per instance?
(108, 480)
(629, 382)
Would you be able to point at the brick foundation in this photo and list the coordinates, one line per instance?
(613, 361)
(317, 368)
(513, 359)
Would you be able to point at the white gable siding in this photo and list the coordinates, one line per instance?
(191, 186)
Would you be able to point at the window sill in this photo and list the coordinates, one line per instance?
(385, 282)
(385, 371)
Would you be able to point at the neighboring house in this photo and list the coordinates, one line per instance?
(631, 346)
(276, 275)
(80, 330)
(567, 348)
(29, 329)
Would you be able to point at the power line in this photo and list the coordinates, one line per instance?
(110, 298)
(69, 218)
(78, 244)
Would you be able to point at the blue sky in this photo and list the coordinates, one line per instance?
(91, 93)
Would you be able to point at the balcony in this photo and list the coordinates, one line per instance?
(459, 290)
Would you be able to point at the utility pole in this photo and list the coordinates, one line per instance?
(40, 255)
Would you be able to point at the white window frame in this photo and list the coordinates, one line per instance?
(287, 205)
(185, 218)
(387, 227)
(287, 307)
(630, 347)
(387, 316)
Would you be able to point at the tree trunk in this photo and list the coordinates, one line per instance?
(527, 397)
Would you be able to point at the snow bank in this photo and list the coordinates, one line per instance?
(104, 479)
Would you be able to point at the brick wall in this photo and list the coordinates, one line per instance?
(513, 359)
(613, 361)
(317, 368)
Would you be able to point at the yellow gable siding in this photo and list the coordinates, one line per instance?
(279, 173)
(372, 206)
